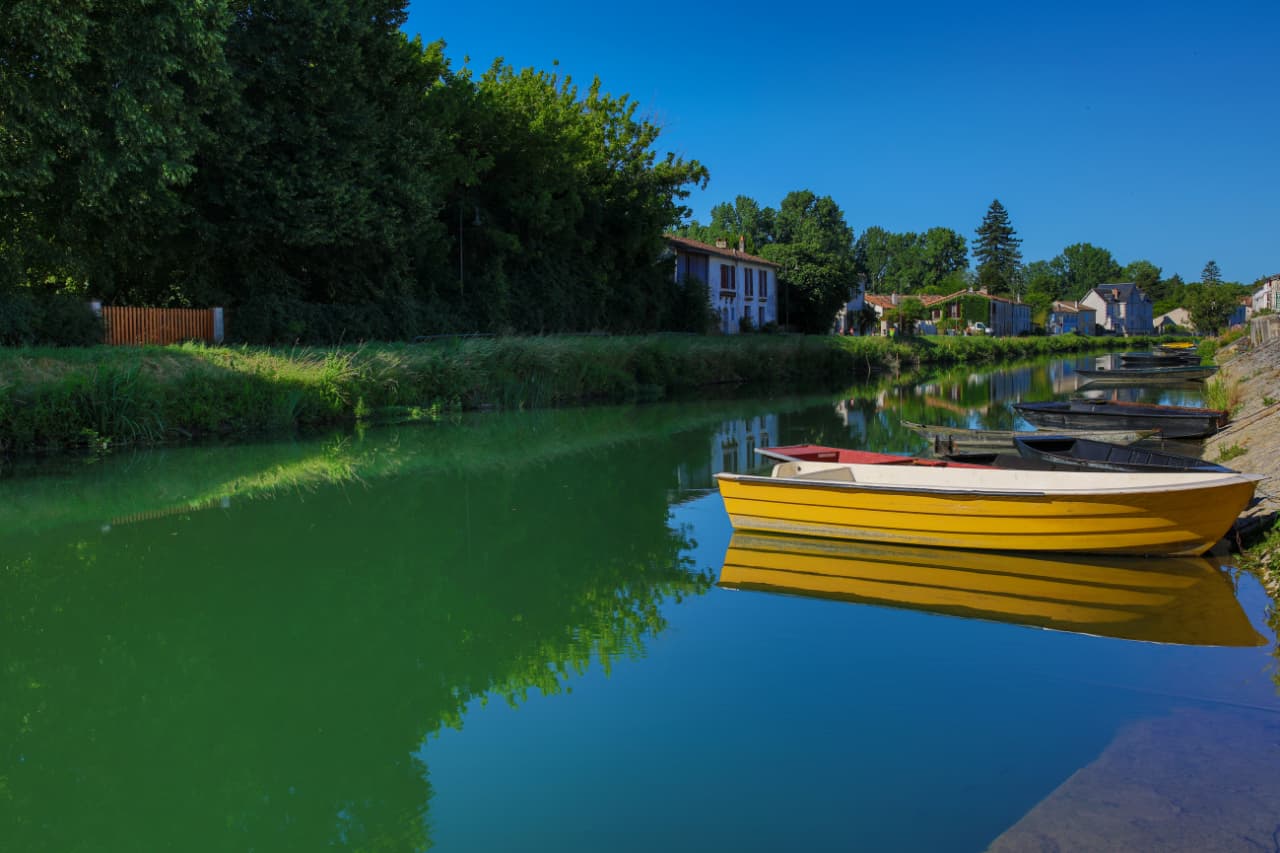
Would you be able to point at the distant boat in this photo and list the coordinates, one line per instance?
(1171, 421)
(1156, 373)
(1059, 451)
(955, 506)
(946, 441)
(1183, 600)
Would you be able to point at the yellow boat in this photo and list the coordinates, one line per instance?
(1167, 513)
(1185, 600)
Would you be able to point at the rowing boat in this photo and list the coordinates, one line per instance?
(989, 508)
(945, 440)
(1184, 600)
(1171, 421)
(1058, 451)
(1143, 374)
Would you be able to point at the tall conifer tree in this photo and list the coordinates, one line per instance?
(996, 250)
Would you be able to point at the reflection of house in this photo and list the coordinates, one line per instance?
(1067, 317)
(1122, 308)
(739, 286)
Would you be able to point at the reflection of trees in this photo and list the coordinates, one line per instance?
(260, 677)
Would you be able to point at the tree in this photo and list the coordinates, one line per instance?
(1083, 266)
(909, 262)
(996, 250)
(103, 110)
(1042, 287)
(1211, 274)
(1211, 308)
(814, 249)
(744, 218)
(909, 312)
(1146, 276)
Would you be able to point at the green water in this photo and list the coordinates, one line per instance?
(505, 633)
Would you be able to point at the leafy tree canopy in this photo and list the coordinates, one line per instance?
(1083, 266)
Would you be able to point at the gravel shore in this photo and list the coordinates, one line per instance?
(1255, 429)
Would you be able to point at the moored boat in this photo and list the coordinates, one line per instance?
(989, 508)
(1155, 373)
(1185, 600)
(1171, 421)
(1067, 452)
(945, 440)
(820, 453)
(1159, 358)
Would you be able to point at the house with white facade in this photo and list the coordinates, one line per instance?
(1122, 308)
(846, 319)
(1264, 295)
(1067, 317)
(739, 286)
(959, 311)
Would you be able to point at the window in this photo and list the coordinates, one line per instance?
(764, 284)
(749, 282)
(761, 315)
(728, 278)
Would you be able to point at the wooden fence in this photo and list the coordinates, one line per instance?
(127, 325)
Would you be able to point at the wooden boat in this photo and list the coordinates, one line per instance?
(1171, 421)
(819, 453)
(1184, 600)
(948, 441)
(1158, 373)
(1060, 451)
(1159, 358)
(953, 506)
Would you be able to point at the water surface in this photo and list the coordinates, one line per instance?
(511, 632)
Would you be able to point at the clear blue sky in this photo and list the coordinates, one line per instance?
(1149, 129)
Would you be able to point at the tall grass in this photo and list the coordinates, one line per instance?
(57, 398)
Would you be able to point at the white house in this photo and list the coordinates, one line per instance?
(1264, 297)
(846, 320)
(1122, 308)
(1177, 319)
(739, 286)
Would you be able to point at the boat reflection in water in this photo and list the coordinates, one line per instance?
(1184, 600)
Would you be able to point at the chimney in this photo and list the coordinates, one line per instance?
(722, 243)
(1115, 294)
(894, 298)
(742, 242)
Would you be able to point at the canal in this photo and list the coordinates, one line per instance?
(533, 631)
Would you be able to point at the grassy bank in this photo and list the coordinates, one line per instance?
(103, 396)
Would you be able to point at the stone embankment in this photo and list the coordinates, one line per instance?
(1253, 372)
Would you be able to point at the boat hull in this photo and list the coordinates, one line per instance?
(1172, 422)
(1070, 453)
(1185, 520)
(1132, 375)
(1185, 600)
(947, 440)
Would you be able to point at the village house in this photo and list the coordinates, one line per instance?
(960, 312)
(1177, 320)
(1264, 296)
(740, 287)
(1122, 308)
(846, 319)
(1067, 317)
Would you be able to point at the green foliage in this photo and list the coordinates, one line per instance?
(27, 319)
(106, 108)
(996, 251)
(911, 263)
(1211, 307)
(909, 312)
(1083, 266)
(814, 250)
(1230, 451)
